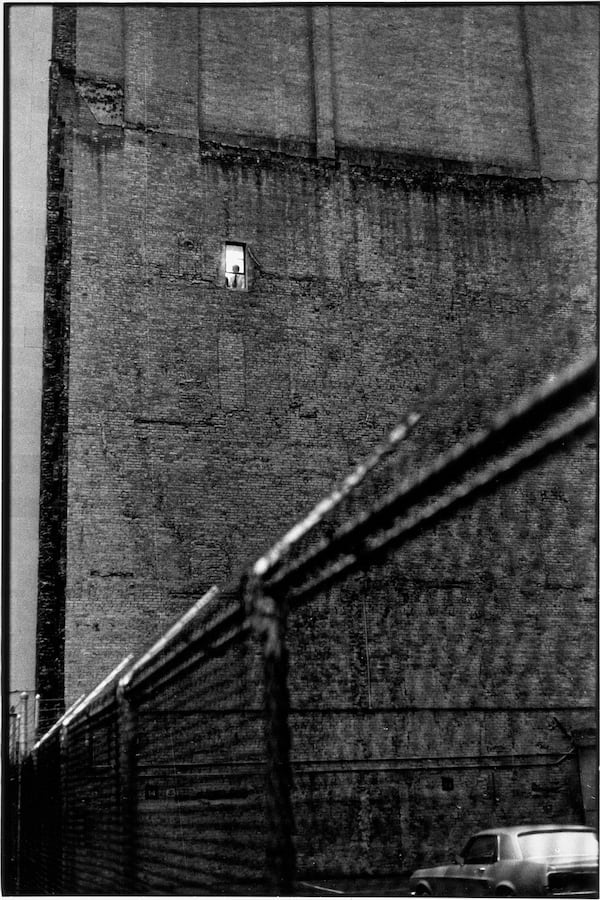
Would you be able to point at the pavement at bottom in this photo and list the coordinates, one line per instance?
(365, 886)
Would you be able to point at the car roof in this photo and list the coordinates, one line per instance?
(521, 829)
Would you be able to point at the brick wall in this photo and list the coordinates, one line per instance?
(202, 422)
(507, 86)
(427, 693)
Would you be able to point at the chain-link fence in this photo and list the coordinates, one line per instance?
(441, 636)
(25, 712)
(155, 783)
(412, 661)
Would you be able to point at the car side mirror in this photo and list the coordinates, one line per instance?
(458, 859)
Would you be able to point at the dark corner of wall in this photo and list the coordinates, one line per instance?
(54, 435)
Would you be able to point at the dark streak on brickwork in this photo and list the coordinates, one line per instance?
(396, 169)
(535, 140)
(54, 449)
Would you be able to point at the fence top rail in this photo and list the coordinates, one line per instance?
(126, 675)
(489, 479)
(58, 723)
(140, 670)
(556, 392)
(272, 557)
(96, 694)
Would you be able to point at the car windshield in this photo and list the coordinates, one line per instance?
(558, 843)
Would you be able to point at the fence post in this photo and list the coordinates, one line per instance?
(269, 618)
(24, 723)
(127, 775)
(36, 716)
(13, 735)
(16, 790)
(64, 876)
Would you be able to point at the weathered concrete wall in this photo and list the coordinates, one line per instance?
(464, 83)
(508, 85)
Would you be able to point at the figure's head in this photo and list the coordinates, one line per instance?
(236, 269)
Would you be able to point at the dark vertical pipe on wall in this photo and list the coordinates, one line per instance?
(200, 76)
(533, 129)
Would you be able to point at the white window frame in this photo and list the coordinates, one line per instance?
(235, 250)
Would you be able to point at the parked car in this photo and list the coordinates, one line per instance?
(518, 861)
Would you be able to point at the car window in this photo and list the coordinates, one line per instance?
(558, 843)
(481, 849)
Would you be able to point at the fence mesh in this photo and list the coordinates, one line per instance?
(41, 843)
(158, 783)
(92, 779)
(437, 635)
(408, 663)
(200, 761)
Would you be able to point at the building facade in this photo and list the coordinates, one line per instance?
(400, 188)
(30, 30)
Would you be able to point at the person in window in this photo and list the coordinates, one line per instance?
(236, 281)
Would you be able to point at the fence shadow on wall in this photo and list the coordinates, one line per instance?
(312, 718)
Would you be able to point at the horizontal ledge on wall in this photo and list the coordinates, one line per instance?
(368, 712)
(452, 710)
(266, 152)
(318, 766)
(420, 764)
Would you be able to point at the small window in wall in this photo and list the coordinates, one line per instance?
(235, 267)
